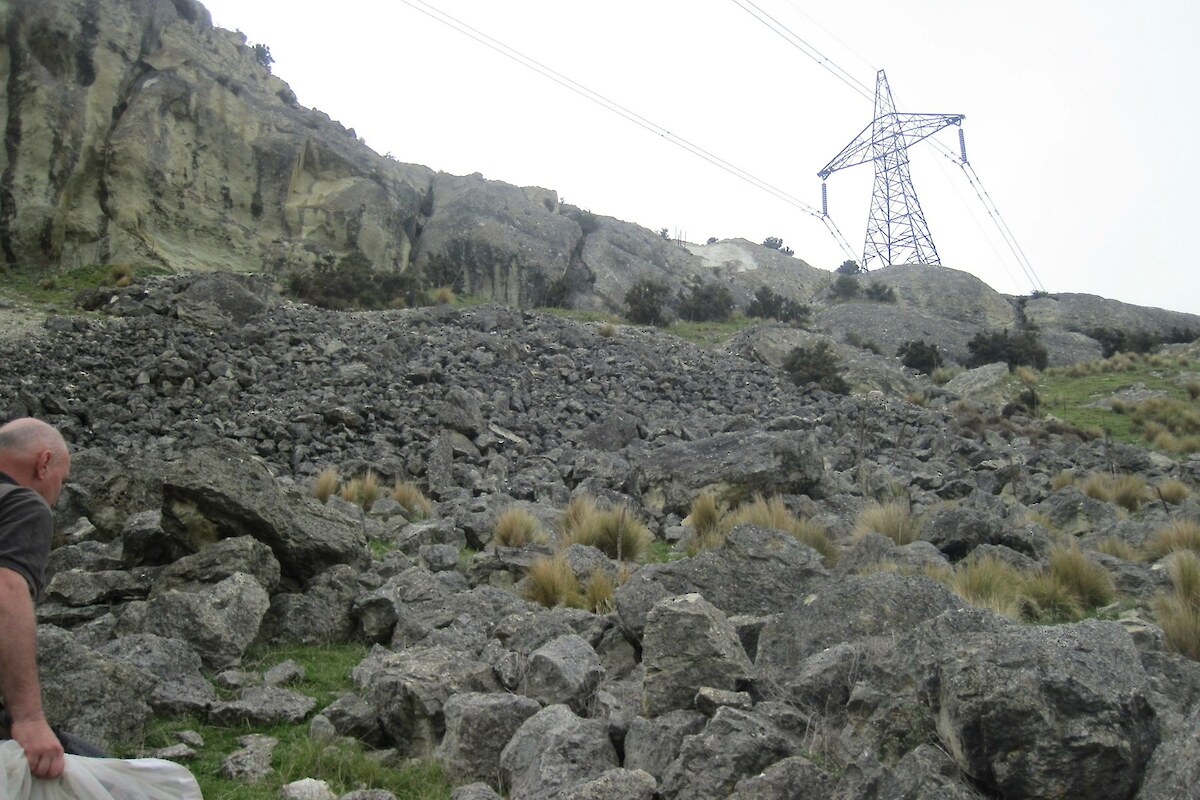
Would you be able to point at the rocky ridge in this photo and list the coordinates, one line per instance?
(201, 407)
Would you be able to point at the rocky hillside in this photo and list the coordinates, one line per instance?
(138, 134)
(201, 409)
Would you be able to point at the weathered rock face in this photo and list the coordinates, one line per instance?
(140, 134)
(1085, 312)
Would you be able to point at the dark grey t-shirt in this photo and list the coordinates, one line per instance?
(26, 528)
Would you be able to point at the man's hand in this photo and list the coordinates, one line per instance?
(42, 748)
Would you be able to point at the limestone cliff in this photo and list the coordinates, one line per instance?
(136, 132)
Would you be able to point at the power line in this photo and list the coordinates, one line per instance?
(632, 116)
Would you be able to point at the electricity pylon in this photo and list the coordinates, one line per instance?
(896, 230)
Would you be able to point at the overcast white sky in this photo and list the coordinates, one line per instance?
(1077, 117)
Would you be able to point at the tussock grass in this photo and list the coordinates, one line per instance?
(579, 508)
(1126, 491)
(516, 527)
(1179, 613)
(616, 531)
(350, 489)
(444, 296)
(1118, 549)
(598, 592)
(989, 583)
(1173, 491)
(893, 520)
(326, 483)
(705, 515)
(607, 330)
(1089, 582)
(413, 499)
(1045, 599)
(772, 513)
(1063, 479)
(551, 582)
(368, 492)
(1193, 390)
(1179, 534)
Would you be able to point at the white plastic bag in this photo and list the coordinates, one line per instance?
(96, 779)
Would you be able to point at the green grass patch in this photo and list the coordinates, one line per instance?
(710, 334)
(58, 287)
(1068, 393)
(345, 766)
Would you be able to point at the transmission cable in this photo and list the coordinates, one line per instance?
(632, 116)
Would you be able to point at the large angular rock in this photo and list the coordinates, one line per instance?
(652, 744)
(478, 726)
(223, 493)
(555, 750)
(409, 690)
(220, 621)
(882, 604)
(1174, 770)
(565, 670)
(730, 465)
(320, 614)
(735, 745)
(1061, 711)
(689, 644)
(101, 699)
(783, 571)
(180, 686)
(218, 561)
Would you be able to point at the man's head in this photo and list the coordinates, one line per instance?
(34, 455)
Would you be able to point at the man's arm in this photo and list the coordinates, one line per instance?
(19, 678)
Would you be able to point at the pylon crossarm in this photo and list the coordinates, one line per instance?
(902, 131)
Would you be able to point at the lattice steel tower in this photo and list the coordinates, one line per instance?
(896, 230)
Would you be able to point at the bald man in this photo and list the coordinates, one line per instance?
(34, 462)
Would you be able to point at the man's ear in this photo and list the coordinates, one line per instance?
(42, 465)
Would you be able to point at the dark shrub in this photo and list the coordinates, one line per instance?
(850, 267)
(768, 304)
(708, 302)
(817, 364)
(645, 302)
(845, 288)
(920, 356)
(880, 292)
(353, 283)
(1023, 349)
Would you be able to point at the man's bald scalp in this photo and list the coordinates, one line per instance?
(28, 435)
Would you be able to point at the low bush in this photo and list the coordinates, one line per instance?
(516, 527)
(1024, 348)
(893, 520)
(707, 302)
(845, 288)
(918, 355)
(354, 283)
(645, 300)
(768, 304)
(818, 365)
(880, 292)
